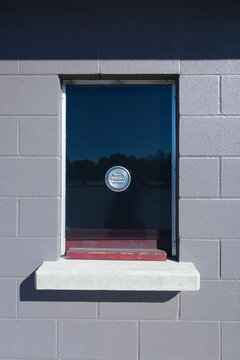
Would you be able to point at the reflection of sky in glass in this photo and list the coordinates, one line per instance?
(131, 120)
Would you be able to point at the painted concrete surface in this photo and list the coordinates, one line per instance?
(198, 44)
(117, 275)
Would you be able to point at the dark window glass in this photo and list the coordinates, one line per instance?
(127, 126)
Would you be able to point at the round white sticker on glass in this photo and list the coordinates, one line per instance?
(118, 178)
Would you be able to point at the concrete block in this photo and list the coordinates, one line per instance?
(51, 304)
(201, 18)
(8, 298)
(57, 309)
(13, 259)
(20, 21)
(9, 135)
(39, 217)
(30, 95)
(139, 55)
(204, 254)
(59, 55)
(9, 54)
(232, 16)
(216, 300)
(230, 340)
(199, 95)
(233, 45)
(199, 177)
(27, 339)
(204, 55)
(230, 95)
(230, 264)
(138, 19)
(179, 340)
(230, 177)
(156, 306)
(30, 177)
(209, 219)
(97, 339)
(210, 66)
(209, 136)
(8, 217)
(40, 136)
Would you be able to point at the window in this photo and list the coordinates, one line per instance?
(130, 125)
(119, 170)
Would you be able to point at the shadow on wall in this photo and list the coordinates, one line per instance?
(29, 293)
(120, 30)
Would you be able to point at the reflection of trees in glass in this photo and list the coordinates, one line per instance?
(153, 168)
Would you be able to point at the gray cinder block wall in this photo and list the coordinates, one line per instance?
(197, 43)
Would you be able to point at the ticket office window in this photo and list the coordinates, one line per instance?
(120, 170)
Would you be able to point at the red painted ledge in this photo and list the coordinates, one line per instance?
(117, 244)
(117, 254)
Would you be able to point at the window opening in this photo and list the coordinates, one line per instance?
(120, 171)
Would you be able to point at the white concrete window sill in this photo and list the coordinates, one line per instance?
(117, 275)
